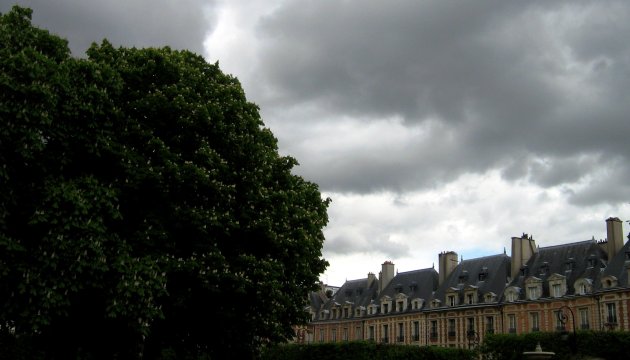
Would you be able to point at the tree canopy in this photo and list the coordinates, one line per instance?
(144, 207)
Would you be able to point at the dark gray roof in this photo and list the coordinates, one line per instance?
(355, 293)
(414, 284)
(489, 274)
(617, 265)
(583, 259)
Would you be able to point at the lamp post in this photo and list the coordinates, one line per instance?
(473, 339)
(562, 318)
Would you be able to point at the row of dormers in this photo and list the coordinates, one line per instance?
(563, 270)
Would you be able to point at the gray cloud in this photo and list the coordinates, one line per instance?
(537, 89)
(181, 24)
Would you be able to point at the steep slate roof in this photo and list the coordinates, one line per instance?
(617, 266)
(466, 273)
(557, 259)
(415, 284)
(354, 292)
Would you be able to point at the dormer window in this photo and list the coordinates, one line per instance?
(609, 282)
(435, 303)
(569, 265)
(451, 300)
(399, 306)
(372, 309)
(490, 297)
(557, 285)
(533, 288)
(591, 261)
(470, 295)
(463, 277)
(583, 286)
(386, 305)
(483, 274)
(544, 269)
(416, 304)
(399, 288)
(511, 294)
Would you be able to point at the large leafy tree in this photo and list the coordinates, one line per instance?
(144, 208)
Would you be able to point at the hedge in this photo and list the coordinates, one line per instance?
(360, 350)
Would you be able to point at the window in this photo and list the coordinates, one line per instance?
(512, 323)
(399, 306)
(385, 334)
(584, 323)
(483, 274)
(334, 335)
(344, 335)
(582, 289)
(534, 321)
(489, 324)
(385, 308)
(416, 331)
(334, 313)
(321, 335)
(434, 329)
(401, 332)
(346, 312)
(470, 299)
(451, 300)
(532, 292)
(451, 327)
(511, 296)
(557, 290)
(371, 333)
(611, 310)
(358, 333)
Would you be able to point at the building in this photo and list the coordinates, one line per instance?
(584, 282)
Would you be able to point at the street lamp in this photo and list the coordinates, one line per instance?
(473, 339)
(562, 318)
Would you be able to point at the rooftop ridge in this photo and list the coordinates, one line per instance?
(417, 270)
(483, 257)
(575, 243)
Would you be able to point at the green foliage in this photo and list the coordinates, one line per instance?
(144, 206)
(607, 345)
(364, 351)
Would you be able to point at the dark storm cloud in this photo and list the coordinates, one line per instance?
(181, 24)
(535, 89)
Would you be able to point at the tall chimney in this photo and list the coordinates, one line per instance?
(370, 279)
(522, 250)
(387, 274)
(614, 234)
(447, 262)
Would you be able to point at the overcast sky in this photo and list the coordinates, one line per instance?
(432, 125)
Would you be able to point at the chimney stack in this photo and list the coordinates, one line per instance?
(447, 263)
(614, 234)
(522, 250)
(370, 279)
(386, 275)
